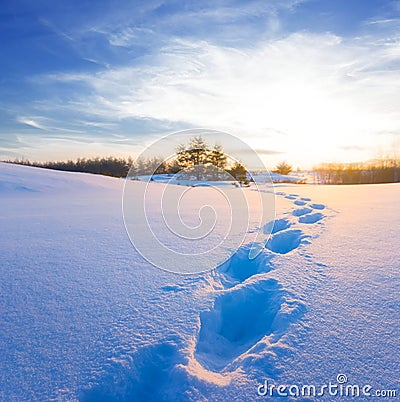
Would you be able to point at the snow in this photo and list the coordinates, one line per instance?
(84, 317)
(297, 177)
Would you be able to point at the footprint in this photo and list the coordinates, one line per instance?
(276, 226)
(284, 242)
(301, 211)
(290, 197)
(300, 203)
(311, 218)
(317, 206)
(239, 319)
(305, 199)
(239, 267)
(144, 377)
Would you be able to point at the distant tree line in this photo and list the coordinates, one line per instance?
(376, 171)
(108, 166)
(196, 160)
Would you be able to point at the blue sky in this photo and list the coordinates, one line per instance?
(301, 80)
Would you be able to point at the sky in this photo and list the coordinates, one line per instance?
(306, 81)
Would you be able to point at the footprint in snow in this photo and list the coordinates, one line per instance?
(148, 373)
(240, 267)
(276, 226)
(311, 218)
(300, 203)
(286, 241)
(301, 211)
(240, 317)
(317, 206)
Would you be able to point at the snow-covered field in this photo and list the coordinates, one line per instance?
(84, 317)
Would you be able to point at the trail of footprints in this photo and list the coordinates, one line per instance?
(252, 306)
(249, 308)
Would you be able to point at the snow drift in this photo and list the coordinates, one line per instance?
(84, 317)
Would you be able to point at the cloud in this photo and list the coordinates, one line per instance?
(307, 94)
(383, 21)
(268, 152)
(298, 81)
(129, 36)
(44, 123)
(30, 122)
(99, 124)
(155, 23)
(353, 148)
(11, 141)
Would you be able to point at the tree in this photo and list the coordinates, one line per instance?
(239, 172)
(141, 166)
(156, 165)
(182, 157)
(197, 151)
(217, 159)
(194, 156)
(283, 168)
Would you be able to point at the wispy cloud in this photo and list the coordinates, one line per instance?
(262, 151)
(99, 124)
(48, 24)
(383, 21)
(223, 65)
(313, 87)
(157, 22)
(352, 148)
(30, 122)
(129, 36)
(38, 123)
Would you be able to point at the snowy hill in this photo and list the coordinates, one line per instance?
(84, 317)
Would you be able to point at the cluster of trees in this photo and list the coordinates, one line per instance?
(195, 160)
(377, 171)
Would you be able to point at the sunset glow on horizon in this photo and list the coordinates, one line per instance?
(298, 80)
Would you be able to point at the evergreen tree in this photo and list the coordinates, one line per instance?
(283, 168)
(197, 151)
(182, 157)
(194, 156)
(218, 160)
(239, 172)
